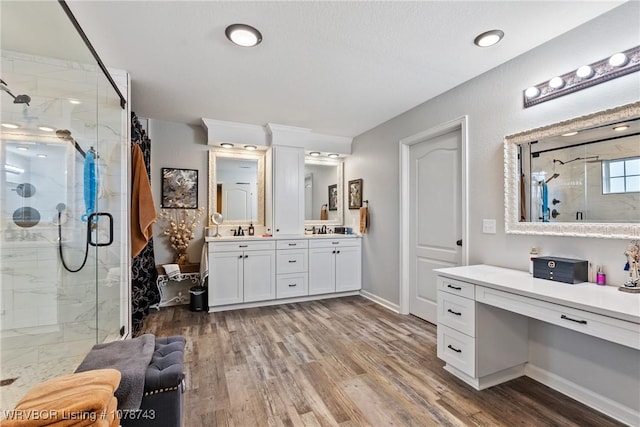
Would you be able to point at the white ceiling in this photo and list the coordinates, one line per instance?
(338, 68)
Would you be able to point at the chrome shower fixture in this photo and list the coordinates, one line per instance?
(19, 99)
(576, 159)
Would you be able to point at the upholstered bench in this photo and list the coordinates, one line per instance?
(156, 362)
(163, 387)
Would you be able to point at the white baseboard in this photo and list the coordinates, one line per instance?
(598, 402)
(383, 302)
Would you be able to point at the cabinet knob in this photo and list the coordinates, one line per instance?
(337, 252)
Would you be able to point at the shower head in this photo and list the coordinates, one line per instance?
(20, 99)
(64, 134)
(554, 176)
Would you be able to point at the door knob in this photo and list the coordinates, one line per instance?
(459, 242)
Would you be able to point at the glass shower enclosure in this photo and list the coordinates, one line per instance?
(63, 199)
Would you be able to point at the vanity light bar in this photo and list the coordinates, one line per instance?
(617, 65)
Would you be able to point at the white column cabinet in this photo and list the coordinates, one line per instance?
(288, 190)
(334, 266)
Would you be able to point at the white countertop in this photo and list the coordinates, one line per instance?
(605, 300)
(288, 237)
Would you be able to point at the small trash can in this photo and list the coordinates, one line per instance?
(198, 298)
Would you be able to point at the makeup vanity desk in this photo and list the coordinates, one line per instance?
(485, 346)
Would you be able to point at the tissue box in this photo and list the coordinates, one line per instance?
(565, 270)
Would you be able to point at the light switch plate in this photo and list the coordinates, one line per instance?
(489, 226)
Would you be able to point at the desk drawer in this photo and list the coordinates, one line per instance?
(605, 327)
(457, 312)
(457, 349)
(456, 287)
(292, 285)
(292, 261)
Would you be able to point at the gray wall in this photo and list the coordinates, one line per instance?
(177, 145)
(493, 104)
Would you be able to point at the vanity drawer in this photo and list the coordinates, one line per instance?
(292, 261)
(323, 242)
(456, 287)
(292, 244)
(457, 312)
(457, 349)
(244, 245)
(597, 325)
(292, 285)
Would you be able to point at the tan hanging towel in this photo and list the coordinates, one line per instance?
(143, 211)
(364, 219)
(324, 214)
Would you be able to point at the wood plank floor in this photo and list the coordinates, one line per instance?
(340, 362)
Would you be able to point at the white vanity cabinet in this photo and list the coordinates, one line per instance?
(334, 265)
(292, 268)
(481, 346)
(288, 190)
(240, 272)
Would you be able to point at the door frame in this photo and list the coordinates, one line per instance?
(460, 124)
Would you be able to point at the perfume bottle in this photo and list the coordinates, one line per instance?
(251, 229)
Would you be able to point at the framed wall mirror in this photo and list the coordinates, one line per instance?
(323, 188)
(580, 177)
(236, 186)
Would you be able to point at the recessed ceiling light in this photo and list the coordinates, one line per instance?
(46, 128)
(569, 133)
(41, 155)
(75, 101)
(243, 35)
(314, 153)
(488, 38)
(250, 147)
(10, 125)
(23, 148)
(618, 60)
(226, 145)
(333, 155)
(621, 128)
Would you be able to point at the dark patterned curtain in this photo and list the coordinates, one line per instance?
(144, 292)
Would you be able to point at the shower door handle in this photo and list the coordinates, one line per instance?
(91, 220)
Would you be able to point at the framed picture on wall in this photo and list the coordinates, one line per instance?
(355, 194)
(333, 197)
(179, 188)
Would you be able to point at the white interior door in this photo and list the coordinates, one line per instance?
(236, 201)
(435, 223)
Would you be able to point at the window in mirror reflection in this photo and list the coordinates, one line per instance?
(237, 188)
(621, 176)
